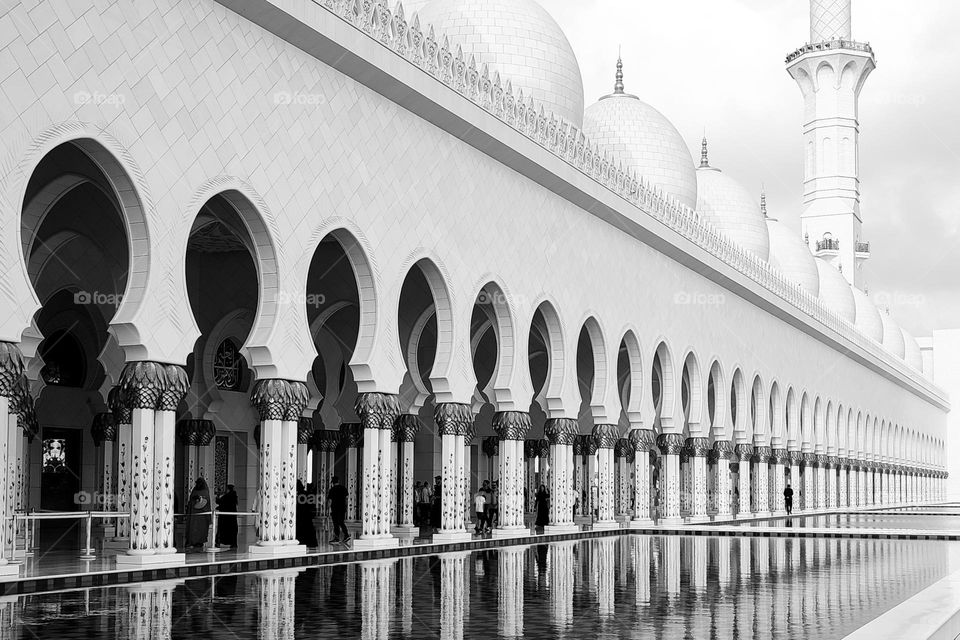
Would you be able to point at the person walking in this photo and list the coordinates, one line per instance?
(417, 502)
(337, 503)
(436, 504)
(542, 501)
(198, 514)
(788, 499)
(227, 524)
(493, 506)
(480, 507)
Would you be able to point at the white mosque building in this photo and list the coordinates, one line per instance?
(263, 241)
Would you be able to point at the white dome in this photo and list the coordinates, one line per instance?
(868, 317)
(724, 203)
(911, 351)
(892, 336)
(645, 140)
(835, 291)
(792, 257)
(518, 39)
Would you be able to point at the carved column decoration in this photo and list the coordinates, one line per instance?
(697, 450)
(643, 440)
(723, 451)
(780, 459)
(405, 430)
(670, 444)
(606, 436)
(761, 484)
(455, 423)
(377, 412)
(512, 428)
(561, 433)
(744, 453)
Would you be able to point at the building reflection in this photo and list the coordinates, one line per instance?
(561, 560)
(510, 583)
(149, 612)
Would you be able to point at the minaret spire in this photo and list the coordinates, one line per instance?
(704, 162)
(618, 86)
(763, 200)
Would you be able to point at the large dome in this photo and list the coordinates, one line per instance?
(892, 336)
(835, 291)
(792, 257)
(911, 351)
(645, 140)
(868, 317)
(518, 39)
(724, 203)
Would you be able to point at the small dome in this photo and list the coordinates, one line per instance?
(835, 291)
(648, 143)
(892, 336)
(724, 203)
(792, 257)
(911, 351)
(518, 39)
(868, 317)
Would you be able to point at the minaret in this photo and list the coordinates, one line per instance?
(831, 70)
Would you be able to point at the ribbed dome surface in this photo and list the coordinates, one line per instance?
(792, 257)
(835, 291)
(724, 203)
(911, 351)
(868, 317)
(892, 336)
(646, 141)
(518, 39)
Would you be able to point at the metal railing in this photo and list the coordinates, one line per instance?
(828, 244)
(87, 552)
(863, 247)
(212, 546)
(849, 45)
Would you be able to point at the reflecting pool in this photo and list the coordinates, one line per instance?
(874, 520)
(631, 586)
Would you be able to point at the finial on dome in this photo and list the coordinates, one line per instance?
(703, 153)
(763, 200)
(618, 87)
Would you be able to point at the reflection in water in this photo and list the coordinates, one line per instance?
(631, 586)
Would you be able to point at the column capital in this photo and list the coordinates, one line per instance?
(530, 449)
(176, 385)
(276, 399)
(406, 426)
(543, 448)
(561, 431)
(196, 432)
(377, 410)
(642, 439)
(103, 428)
(454, 419)
(350, 435)
(511, 425)
(796, 458)
(11, 367)
(142, 384)
(624, 450)
(697, 447)
(743, 452)
(670, 444)
(762, 454)
(780, 456)
(722, 450)
(122, 413)
(304, 430)
(606, 435)
(491, 446)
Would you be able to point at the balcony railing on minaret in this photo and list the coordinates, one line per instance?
(863, 249)
(828, 245)
(847, 45)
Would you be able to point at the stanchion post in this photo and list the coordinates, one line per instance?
(212, 546)
(88, 552)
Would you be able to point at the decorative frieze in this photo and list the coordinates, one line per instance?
(561, 431)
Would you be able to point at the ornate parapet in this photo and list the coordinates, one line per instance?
(561, 431)
(377, 410)
(276, 399)
(606, 436)
(670, 444)
(831, 45)
(406, 427)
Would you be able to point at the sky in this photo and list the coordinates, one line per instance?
(717, 66)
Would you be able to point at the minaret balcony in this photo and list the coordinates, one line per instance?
(862, 250)
(830, 45)
(828, 247)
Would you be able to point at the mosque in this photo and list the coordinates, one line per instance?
(264, 242)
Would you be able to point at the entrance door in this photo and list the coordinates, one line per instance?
(59, 486)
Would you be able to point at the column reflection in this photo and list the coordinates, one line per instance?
(276, 597)
(510, 573)
(375, 580)
(561, 560)
(602, 567)
(641, 569)
(149, 614)
(453, 594)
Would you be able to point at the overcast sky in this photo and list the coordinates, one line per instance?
(718, 65)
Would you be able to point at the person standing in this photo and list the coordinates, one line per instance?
(480, 506)
(435, 505)
(788, 499)
(493, 505)
(337, 503)
(198, 514)
(543, 507)
(306, 534)
(227, 524)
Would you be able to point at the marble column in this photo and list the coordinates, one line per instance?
(195, 435)
(123, 419)
(761, 461)
(606, 437)
(512, 428)
(843, 492)
(543, 457)
(104, 432)
(21, 411)
(744, 453)
(153, 391)
(377, 413)
(304, 433)
(454, 423)
(624, 456)
(723, 452)
(796, 459)
(560, 567)
(591, 483)
(561, 434)
(861, 484)
(491, 451)
(809, 481)
(11, 382)
(697, 450)
(510, 589)
(280, 404)
(831, 473)
(823, 466)
(276, 603)
(579, 453)
(405, 430)
(530, 451)
(781, 457)
(670, 444)
(643, 440)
